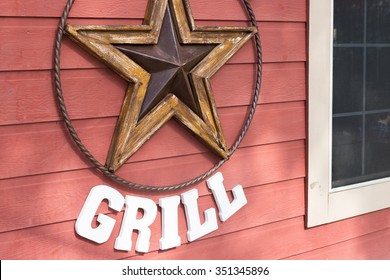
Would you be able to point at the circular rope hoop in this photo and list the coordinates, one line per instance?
(101, 167)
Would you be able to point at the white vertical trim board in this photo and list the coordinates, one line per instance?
(324, 204)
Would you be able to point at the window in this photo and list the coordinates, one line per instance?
(349, 109)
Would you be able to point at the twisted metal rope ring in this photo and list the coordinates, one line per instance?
(101, 167)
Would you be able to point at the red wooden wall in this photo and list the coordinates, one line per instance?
(44, 180)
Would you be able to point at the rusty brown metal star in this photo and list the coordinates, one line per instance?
(165, 81)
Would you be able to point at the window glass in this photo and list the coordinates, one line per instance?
(361, 91)
(378, 21)
(378, 78)
(347, 149)
(348, 21)
(377, 161)
(347, 79)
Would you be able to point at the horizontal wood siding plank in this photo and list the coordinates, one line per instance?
(29, 97)
(39, 204)
(373, 246)
(47, 147)
(281, 82)
(281, 162)
(261, 199)
(276, 240)
(277, 10)
(270, 241)
(282, 42)
(284, 162)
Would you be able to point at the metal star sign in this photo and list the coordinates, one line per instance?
(168, 62)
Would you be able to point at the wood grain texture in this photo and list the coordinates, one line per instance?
(42, 205)
(40, 148)
(278, 167)
(274, 240)
(63, 232)
(52, 197)
(277, 10)
(284, 238)
(289, 192)
(373, 246)
(28, 97)
(244, 169)
(281, 42)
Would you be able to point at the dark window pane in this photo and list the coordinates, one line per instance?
(378, 78)
(348, 21)
(346, 149)
(361, 91)
(378, 21)
(347, 79)
(377, 150)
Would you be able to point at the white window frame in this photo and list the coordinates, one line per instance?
(326, 205)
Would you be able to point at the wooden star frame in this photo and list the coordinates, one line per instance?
(131, 132)
(147, 26)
